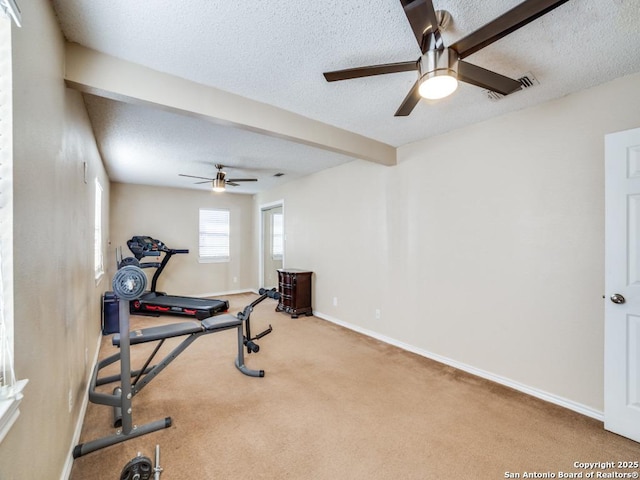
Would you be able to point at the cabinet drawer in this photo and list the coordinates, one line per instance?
(286, 289)
(286, 278)
(286, 300)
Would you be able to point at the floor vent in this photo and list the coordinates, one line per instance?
(527, 81)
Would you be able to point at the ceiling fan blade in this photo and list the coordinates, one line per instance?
(370, 71)
(409, 102)
(424, 22)
(484, 78)
(192, 176)
(232, 184)
(241, 180)
(200, 183)
(509, 22)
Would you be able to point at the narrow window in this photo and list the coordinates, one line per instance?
(277, 236)
(10, 388)
(97, 245)
(7, 377)
(214, 229)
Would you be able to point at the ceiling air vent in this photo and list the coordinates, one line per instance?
(279, 174)
(527, 81)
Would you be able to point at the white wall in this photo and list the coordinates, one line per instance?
(484, 246)
(171, 215)
(57, 301)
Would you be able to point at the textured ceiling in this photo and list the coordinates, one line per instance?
(151, 146)
(276, 51)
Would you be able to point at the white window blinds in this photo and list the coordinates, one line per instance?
(98, 258)
(6, 208)
(277, 235)
(10, 389)
(214, 235)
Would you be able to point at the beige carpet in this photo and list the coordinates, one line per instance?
(338, 405)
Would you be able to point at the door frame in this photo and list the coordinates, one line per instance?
(261, 209)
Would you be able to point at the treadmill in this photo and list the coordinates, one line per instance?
(159, 303)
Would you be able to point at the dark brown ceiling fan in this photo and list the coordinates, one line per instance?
(441, 67)
(220, 182)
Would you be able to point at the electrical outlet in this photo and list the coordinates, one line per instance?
(377, 314)
(335, 301)
(70, 400)
(235, 279)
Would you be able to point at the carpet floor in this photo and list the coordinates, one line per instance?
(335, 404)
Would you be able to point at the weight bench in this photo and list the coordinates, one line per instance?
(127, 283)
(192, 330)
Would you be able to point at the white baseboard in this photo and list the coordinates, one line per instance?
(534, 392)
(79, 422)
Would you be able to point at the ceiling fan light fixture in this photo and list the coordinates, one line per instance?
(218, 185)
(439, 69)
(219, 182)
(438, 84)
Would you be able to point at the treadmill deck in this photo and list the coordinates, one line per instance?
(199, 308)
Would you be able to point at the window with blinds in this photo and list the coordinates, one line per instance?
(10, 388)
(214, 229)
(277, 236)
(6, 208)
(98, 258)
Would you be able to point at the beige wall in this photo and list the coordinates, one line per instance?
(57, 308)
(484, 246)
(171, 215)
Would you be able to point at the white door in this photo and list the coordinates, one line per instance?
(622, 284)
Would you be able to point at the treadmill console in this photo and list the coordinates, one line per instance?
(142, 246)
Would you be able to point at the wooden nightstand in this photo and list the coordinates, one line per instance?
(294, 286)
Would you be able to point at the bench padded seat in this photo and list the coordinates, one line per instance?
(158, 333)
(211, 324)
(220, 322)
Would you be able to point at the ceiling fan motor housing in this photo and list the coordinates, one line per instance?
(439, 62)
(218, 182)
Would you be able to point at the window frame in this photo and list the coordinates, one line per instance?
(223, 233)
(98, 247)
(11, 393)
(277, 236)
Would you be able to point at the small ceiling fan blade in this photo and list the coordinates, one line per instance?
(484, 78)
(192, 176)
(509, 22)
(371, 70)
(232, 184)
(242, 180)
(409, 102)
(423, 20)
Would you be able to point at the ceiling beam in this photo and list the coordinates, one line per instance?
(93, 72)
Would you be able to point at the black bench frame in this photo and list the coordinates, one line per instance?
(122, 396)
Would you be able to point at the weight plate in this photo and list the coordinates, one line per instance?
(129, 261)
(137, 469)
(129, 282)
